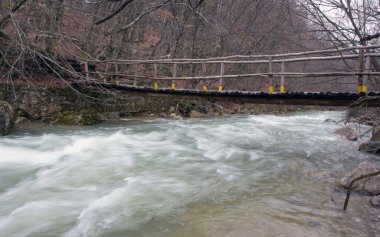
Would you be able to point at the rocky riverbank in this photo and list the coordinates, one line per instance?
(7, 118)
(368, 185)
(73, 104)
(370, 117)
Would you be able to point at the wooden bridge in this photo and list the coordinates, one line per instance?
(265, 76)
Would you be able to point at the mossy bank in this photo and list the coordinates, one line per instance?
(75, 104)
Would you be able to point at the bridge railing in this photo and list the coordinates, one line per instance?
(132, 72)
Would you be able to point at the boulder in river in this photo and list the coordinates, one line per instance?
(369, 185)
(375, 201)
(348, 133)
(376, 133)
(196, 114)
(7, 118)
(370, 147)
(175, 116)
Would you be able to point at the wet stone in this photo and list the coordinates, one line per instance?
(375, 201)
(348, 133)
(369, 185)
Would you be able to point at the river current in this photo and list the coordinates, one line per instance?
(259, 175)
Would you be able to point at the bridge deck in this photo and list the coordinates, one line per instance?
(289, 98)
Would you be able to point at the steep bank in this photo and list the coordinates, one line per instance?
(371, 117)
(78, 105)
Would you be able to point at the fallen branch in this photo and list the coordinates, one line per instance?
(114, 13)
(349, 190)
(363, 100)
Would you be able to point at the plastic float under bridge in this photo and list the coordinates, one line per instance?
(288, 98)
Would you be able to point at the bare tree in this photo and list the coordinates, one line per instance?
(344, 22)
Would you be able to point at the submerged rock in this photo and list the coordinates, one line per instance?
(369, 185)
(7, 118)
(348, 133)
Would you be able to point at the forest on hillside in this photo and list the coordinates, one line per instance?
(42, 36)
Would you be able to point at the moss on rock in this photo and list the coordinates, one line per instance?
(75, 118)
(7, 118)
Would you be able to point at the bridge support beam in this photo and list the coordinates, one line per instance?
(270, 76)
(116, 66)
(204, 71)
(87, 71)
(282, 86)
(136, 74)
(367, 70)
(155, 75)
(174, 75)
(221, 76)
(362, 88)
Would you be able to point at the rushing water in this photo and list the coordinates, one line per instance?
(237, 176)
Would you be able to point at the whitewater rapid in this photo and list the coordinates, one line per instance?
(260, 175)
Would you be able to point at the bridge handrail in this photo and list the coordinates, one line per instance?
(362, 54)
(200, 60)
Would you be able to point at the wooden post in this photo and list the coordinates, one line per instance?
(270, 75)
(136, 74)
(221, 76)
(106, 75)
(282, 86)
(361, 87)
(366, 69)
(204, 71)
(116, 66)
(174, 75)
(155, 84)
(86, 69)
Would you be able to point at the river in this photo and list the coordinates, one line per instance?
(259, 175)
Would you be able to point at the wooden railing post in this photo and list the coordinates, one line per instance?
(155, 76)
(366, 70)
(221, 76)
(282, 86)
(204, 71)
(270, 75)
(116, 66)
(86, 69)
(106, 74)
(361, 86)
(136, 74)
(174, 75)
